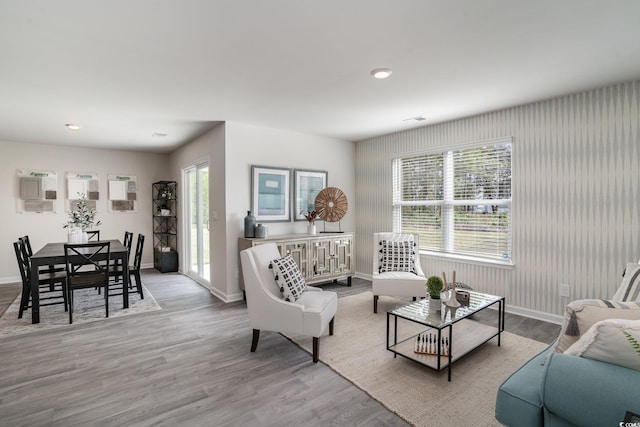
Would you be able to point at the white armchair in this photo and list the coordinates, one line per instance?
(309, 315)
(396, 283)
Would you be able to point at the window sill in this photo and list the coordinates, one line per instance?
(507, 265)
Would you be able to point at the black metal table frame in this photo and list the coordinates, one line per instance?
(501, 310)
(53, 254)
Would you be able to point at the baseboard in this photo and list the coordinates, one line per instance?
(534, 314)
(525, 312)
(7, 280)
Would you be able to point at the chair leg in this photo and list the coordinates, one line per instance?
(106, 299)
(254, 341)
(24, 300)
(65, 297)
(70, 299)
(136, 273)
(316, 349)
(375, 304)
(331, 325)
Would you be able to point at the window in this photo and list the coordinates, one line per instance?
(458, 201)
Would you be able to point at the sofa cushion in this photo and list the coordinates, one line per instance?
(288, 276)
(614, 341)
(584, 392)
(397, 256)
(629, 290)
(580, 315)
(518, 402)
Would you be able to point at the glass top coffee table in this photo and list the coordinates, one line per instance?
(434, 339)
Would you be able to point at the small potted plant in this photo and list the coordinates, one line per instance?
(434, 288)
(311, 218)
(81, 218)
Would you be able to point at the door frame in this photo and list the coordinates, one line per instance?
(186, 223)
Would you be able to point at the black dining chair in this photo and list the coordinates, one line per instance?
(116, 271)
(93, 235)
(96, 257)
(50, 294)
(133, 269)
(45, 269)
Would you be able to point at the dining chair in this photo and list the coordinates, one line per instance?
(96, 256)
(93, 235)
(45, 269)
(50, 294)
(133, 269)
(116, 268)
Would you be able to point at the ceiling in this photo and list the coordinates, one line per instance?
(125, 70)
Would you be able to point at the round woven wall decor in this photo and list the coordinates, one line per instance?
(331, 204)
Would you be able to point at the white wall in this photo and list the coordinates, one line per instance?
(44, 228)
(248, 145)
(209, 147)
(576, 193)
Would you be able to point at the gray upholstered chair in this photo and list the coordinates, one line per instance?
(268, 311)
(395, 283)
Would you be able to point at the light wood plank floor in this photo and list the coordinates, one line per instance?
(188, 364)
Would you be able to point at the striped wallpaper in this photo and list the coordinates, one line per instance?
(576, 195)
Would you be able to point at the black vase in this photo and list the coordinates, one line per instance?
(249, 225)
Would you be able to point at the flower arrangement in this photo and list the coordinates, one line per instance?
(311, 217)
(82, 216)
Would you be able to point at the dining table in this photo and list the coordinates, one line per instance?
(53, 254)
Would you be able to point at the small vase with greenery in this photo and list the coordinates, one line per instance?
(311, 218)
(434, 288)
(81, 218)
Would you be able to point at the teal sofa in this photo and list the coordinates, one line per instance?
(565, 390)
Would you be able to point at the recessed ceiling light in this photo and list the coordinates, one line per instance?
(71, 126)
(381, 73)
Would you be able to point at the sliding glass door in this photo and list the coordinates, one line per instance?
(197, 222)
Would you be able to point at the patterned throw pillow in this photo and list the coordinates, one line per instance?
(289, 278)
(397, 256)
(630, 288)
(580, 315)
(614, 341)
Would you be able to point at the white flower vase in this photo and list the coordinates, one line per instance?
(84, 237)
(311, 229)
(73, 235)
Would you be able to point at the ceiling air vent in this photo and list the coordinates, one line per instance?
(416, 118)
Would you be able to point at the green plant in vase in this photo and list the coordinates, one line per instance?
(81, 218)
(434, 288)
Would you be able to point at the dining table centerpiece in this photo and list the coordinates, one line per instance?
(81, 218)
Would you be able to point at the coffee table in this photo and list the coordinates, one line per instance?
(434, 339)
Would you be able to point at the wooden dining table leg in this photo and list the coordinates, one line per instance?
(35, 293)
(125, 281)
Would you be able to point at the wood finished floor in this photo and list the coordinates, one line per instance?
(188, 365)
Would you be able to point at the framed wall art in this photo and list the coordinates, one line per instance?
(270, 194)
(37, 191)
(308, 183)
(83, 183)
(122, 193)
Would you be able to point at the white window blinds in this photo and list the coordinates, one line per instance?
(458, 201)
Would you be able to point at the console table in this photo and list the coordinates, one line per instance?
(321, 258)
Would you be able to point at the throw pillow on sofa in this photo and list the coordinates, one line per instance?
(580, 315)
(630, 288)
(614, 341)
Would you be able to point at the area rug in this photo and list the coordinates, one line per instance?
(88, 307)
(422, 397)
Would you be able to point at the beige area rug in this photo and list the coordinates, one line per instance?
(88, 307)
(419, 395)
